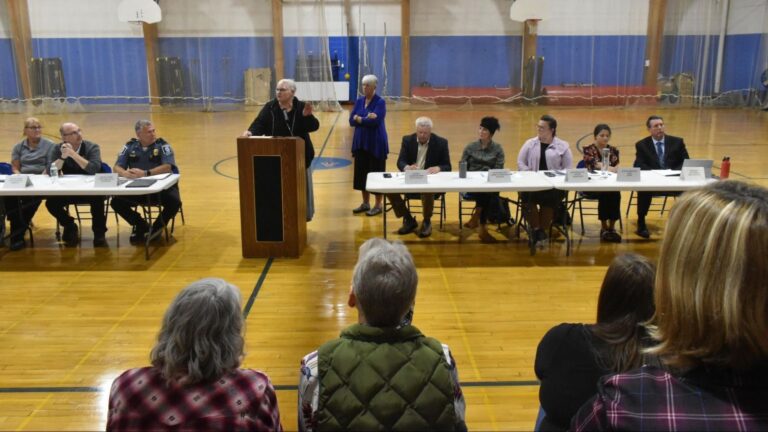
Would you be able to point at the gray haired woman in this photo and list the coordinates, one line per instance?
(195, 381)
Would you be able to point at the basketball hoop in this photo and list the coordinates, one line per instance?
(139, 11)
(527, 10)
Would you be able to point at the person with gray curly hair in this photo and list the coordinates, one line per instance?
(379, 354)
(195, 381)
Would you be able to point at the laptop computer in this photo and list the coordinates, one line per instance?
(704, 163)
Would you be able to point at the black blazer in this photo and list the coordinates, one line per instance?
(674, 153)
(437, 153)
(271, 121)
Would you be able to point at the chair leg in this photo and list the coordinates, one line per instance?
(629, 203)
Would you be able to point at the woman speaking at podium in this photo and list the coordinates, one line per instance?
(287, 116)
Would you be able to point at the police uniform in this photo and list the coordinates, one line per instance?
(134, 155)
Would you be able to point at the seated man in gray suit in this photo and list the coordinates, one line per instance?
(421, 150)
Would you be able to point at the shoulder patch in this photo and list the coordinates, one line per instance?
(125, 149)
(167, 150)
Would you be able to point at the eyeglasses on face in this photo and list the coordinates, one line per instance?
(64, 134)
(33, 127)
(282, 89)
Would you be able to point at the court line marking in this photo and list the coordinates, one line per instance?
(257, 288)
(284, 387)
(325, 143)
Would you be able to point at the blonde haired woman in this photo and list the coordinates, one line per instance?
(710, 325)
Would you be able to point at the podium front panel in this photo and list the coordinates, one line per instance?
(268, 195)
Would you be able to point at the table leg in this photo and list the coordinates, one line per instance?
(384, 208)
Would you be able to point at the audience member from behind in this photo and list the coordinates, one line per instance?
(382, 373)
(195, 381)
(710, 324)
(30, 156)
(543, 152)
(608, 203)
(76, 155)
(144, 156)
(572, 357)
(422, 150)
(656, 152)
(483, 155)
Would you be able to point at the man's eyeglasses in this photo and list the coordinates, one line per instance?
(282, 89)
(34, 127)
(70, 133)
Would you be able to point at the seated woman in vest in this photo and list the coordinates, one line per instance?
(374, 376)
(710, 325)
(572, 357)
(483, 155)
(195, 381)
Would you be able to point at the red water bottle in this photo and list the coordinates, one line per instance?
(725, 168)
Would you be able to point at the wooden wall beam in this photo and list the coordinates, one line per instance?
(150, 51)
(21, 33)
(277, 31)
(405, 44)
(657, 10)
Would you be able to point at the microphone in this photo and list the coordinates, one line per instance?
(285, 115)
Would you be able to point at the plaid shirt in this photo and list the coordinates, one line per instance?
(703, 399)
(141, 400)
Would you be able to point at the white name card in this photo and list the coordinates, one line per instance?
(499, 176)
(628, 175)
(20, 181)
(692, 173)
(577, 175)
(416, 177)
(105, 180)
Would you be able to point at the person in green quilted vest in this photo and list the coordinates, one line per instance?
(381, 373)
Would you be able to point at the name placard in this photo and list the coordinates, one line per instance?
(20, 181)
(693, 173)
(628, 175)
(105, 180)
(416, 177)
(576, 175)
(499, 176)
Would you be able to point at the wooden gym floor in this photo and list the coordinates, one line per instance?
(73, 319)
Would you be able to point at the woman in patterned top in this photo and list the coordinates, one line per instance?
(195, 381)
(608, 203)
(483, 155)
(710, 324)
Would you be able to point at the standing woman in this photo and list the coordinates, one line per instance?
(287, 116)
(608, 203)
(30, 156)
(369, 144)
(483, 155)
(543, 152)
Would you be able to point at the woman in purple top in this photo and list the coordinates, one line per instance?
(543, 152)
(369, 144)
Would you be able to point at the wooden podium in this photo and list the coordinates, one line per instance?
(273, 196)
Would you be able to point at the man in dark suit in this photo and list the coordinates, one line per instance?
(658, 151)
(421, 150)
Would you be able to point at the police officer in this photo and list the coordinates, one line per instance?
(145, 156)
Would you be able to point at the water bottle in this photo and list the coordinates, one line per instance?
(463, 169)
(725, 168)
(606, 161)
(54, 172)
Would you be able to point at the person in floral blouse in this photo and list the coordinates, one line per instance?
(608, 203)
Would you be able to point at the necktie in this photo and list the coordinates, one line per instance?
(660, 152)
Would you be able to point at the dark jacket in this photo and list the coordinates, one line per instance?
(674, 153)
(437, 153)
(272, 121)
(88, 150)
